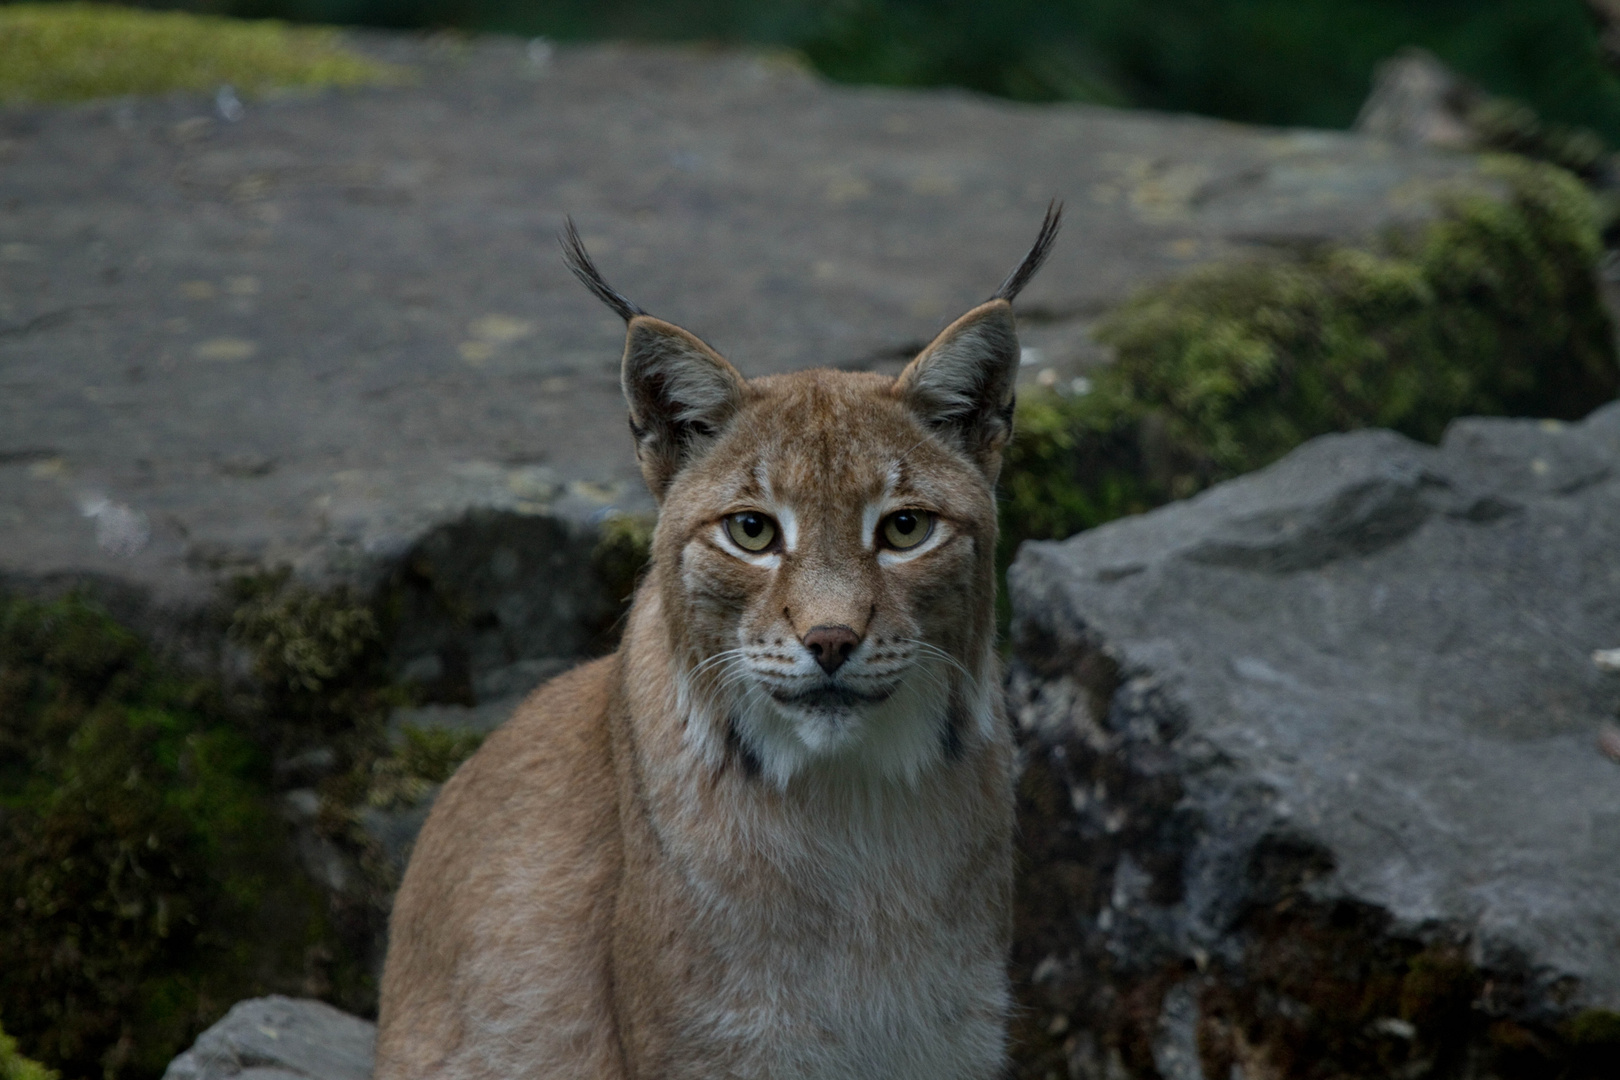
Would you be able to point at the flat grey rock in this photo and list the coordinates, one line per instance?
(318, 334)
(1364, 673)
(279, 1038)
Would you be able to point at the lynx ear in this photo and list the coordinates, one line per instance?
(962, 384)
(681, 394)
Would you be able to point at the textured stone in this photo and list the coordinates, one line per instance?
(336, 334)
(1361, 678)
(279, 1038)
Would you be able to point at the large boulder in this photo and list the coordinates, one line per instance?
(333, 331)
(1316, 777)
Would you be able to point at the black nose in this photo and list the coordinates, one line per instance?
(831, 645)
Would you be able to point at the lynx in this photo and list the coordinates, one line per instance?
(770, 836)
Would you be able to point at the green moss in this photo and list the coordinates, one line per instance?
(69, 52)
(1073, 463)
(1491, 309)
(13, 1066)
(318, 652)
(148, 880)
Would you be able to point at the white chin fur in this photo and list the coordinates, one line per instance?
(898, 738)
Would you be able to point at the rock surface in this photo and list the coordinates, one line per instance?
(336, 334)
(1341, 708)
(279, 1038)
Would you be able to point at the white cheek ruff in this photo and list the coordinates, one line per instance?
(896, 739)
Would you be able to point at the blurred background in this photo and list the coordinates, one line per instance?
(1291, 62)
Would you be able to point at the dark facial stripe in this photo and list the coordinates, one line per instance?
(739, 752)
(955, 722)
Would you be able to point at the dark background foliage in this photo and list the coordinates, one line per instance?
(1305, 62)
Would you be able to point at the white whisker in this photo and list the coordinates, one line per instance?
(933, 650)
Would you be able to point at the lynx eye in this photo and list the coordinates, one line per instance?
(750, 530)
(905, 529)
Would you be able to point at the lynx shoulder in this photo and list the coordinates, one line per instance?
(771, 836)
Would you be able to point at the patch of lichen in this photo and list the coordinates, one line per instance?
(323, 682)
(1594, 1027)
(149, 884)
(318, 653)
(319, 658)
(71, 52)
(1075, 462)
(1492, 309)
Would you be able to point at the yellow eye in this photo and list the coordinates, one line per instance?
(905, 529)
(751, 531)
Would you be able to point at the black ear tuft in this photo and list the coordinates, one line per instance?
(962, 384)
(579, 261)
(1027, 269)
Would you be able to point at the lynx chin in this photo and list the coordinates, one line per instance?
(770, 836)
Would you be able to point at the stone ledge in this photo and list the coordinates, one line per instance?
(314, 335)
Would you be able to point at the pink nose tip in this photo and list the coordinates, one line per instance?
(831, 645)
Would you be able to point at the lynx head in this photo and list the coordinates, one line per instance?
(824, 556)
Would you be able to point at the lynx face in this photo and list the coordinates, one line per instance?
(833, 552)
(826, 540)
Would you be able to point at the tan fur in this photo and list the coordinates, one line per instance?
(706, 856)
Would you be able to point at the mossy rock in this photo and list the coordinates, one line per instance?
(150, 882)
(1492, 309)
(73, 52)
(317, 653)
